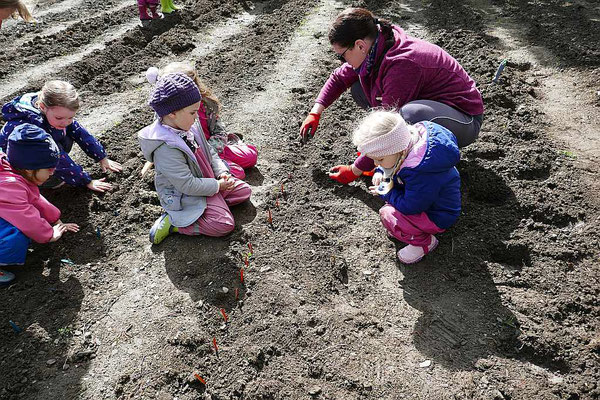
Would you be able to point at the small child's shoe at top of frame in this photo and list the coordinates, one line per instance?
(6, 278)
(413, 254)
(161, 229)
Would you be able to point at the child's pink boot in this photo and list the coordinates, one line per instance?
(413, 254)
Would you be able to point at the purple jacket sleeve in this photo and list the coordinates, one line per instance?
(364, 163)
(339, 81)
(86, 141)
(70, 172)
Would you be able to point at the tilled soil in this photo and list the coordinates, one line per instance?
(505, 308)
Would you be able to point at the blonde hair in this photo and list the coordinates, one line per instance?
(189, 70)
(377, 123)
(59, 94)
(19, 9)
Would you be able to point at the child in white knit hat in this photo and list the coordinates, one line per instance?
(416, 176)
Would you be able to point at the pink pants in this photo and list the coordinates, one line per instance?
(147, 3)
(413, 229)
(217, 219)
(239, 157)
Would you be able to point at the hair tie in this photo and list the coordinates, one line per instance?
(152, 75)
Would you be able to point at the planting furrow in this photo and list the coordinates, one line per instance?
(61, 28)
(15, 83)
(107, 111)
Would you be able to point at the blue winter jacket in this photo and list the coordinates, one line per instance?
(23, 110)
(431, 182)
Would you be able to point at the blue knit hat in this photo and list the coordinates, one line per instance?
(30, 147)
(173, 92)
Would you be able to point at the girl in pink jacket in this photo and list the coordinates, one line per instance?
(25, 214)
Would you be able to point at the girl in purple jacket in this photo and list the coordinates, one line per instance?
(384, 66)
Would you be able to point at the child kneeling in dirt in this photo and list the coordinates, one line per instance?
(415, 175)
(53, 110)
(25, 215)
(237, 154)
(194, 186)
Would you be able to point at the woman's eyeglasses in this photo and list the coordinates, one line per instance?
(341, 56)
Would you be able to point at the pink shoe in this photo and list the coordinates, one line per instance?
(413, 254)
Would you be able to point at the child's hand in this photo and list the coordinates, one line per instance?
(98, 185)
(110, 165)
(373, 190)
(225, 184)
(377, 178)
(58, 231)
(71, 227)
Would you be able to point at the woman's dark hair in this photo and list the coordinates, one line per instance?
(353, 24)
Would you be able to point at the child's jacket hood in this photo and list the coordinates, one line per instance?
(155, 135)
(23, 108)
(441, 153)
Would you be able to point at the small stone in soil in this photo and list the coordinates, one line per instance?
(555, 380)
(425, 364)
(367, 272)
(51, 361)
(265, 269)
(314, 390)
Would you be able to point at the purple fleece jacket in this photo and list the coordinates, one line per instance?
(412, 69)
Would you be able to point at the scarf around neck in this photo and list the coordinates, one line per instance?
(367, 65)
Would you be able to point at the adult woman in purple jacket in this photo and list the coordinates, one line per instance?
(385, 67)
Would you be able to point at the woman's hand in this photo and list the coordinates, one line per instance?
(311, 123)
(110, 165)
(99, 185)
(309, 127)
(344, 174)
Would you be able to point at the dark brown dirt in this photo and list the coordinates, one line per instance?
(506, 308)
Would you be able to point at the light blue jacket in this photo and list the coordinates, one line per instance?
(182, 190)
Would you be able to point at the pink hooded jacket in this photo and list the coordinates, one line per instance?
(22, 205)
